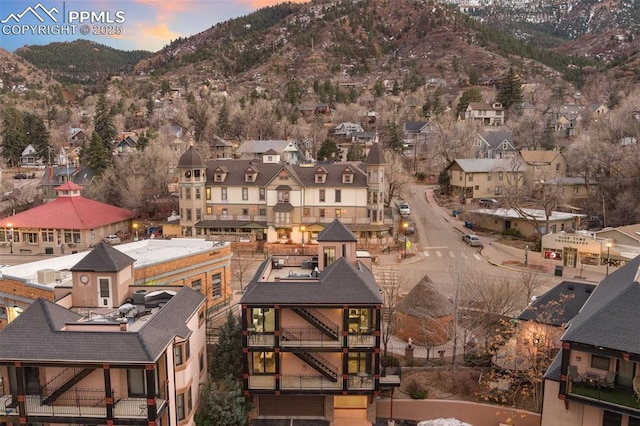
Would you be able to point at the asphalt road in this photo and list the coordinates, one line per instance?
(447, 260)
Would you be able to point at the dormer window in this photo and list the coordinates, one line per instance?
(321, 176)
(347, 176)
(249, 178)
(250, 174)
(218, 177)
(187, 174)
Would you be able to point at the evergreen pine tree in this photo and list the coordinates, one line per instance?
(509, 92)
(37, 134)
(226, 357)
(96, 155)
(468, 96)
(224, 124)
(222, 403)
(14, 138)
(104, 126)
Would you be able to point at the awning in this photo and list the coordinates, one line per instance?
(283, 207)
(230, 224)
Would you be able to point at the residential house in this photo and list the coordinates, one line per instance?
(70, 220)
(416, 135)
(480, 178)
(595, 378)
(54, 176)
(344, 130)
(484, 114)
(222, 148)
(565, 119)
(30, 157)
(529, 110)
(287, 151)
(178, 262)
(77, 137)
(572, 189)
(495, 144)
(543, 166)
(133, 360)
(527, 222)
(598, 109)
(311, 337)
(125, 144)
(267, 199)
(541, 325)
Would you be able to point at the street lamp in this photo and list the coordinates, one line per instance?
(135, 229)
(526, 255)
(10, 238)
(405, 225)
(608, 256)
(302, 229)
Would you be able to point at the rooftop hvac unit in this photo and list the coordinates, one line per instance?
(46, 276)
(138, 296)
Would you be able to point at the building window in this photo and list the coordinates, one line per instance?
(48, 236)
(283, 196)
(262, 194)
(329, 255)
(306, 212)
(263, 362)
(283, 217)
(181, 352)
(70, 237)
(245, 212)
(218, 178)
(223, 194)
(359, 320)
(245, 194)
(208, 192)
(198, 214)
(180, 406)
(470, 177)
(609, 418)
(557, 167)
(500, 176)
(201, 361)
(216, 285)
(30, 237)
(198, 195)
(189, 214)
(225, 213)
(263, 212)
(263, 320)
(498, 190)
(359, 362)
(197, 285)
(338, 213)
(189, 401)
(322, 195)
(338, 195)
(209, 210)
(489, 177)
(347, 178)
(599, 362)
(322, 213)
(187, 193)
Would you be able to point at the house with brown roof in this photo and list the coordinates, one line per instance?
(484, 177)
(69, 221)
(595, 379)
(311, 337)
(267, 199)
(484, 114)
(101, 355)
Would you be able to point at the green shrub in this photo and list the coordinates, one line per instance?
(389, 361)
(417, 390)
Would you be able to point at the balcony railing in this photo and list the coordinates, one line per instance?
(361, 381)
(262, 382)
(308, 382)
(615, 397)
(361, 340)
(257, 339)
(80, 403)
(305, 337)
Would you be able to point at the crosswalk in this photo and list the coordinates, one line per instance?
(450, 254)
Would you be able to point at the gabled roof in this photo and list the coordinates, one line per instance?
(263, 146)
(415, 126)
(497, 137)
(340, 283)
(336, 231)
(104, 258)
(532, 156)
(559, 305)
(479, 165)
(39, 334)
(610, 318)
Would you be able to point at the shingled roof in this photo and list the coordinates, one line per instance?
(104, 258)
(611, 318)
(337, 231)
(39, 335)
(340, 283)
(424, 301)
(559, 305)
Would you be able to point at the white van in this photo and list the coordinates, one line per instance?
(404, 208)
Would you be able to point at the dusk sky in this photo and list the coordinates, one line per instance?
(122, 24)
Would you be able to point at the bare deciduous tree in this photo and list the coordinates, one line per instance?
(396, 176)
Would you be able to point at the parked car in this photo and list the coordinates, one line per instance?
(472, 239)
(20, 176)
(112, 239)
(488, 202)
(404, 208)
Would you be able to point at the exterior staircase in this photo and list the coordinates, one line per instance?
(319, 321)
